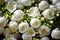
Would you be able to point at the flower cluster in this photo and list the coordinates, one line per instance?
(29, 19)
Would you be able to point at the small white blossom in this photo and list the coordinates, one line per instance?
(48, 14)
(44, 30)
(25, 2)
(11, 6)
(44, 38)
(18, 15)
(43, 5)
(55, 1)
(55, 33)
(34, 12)
(26, 37)
(3, 21)
(23, 27)
(53, 7)
(13, 26)
(35, 23)
(20, 6)
(10, 37)
(31, 32)
(58, 6)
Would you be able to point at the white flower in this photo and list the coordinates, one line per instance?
(44, 30)
(13, 26)
(55, 33)
(43, 5)
(20, 6)
(23, 27)
(31, 32)
(53, 7)
(6, 32)
(11, 6)
(48, 14)
(18, 15)
(26, 37)
(34, 12)
(25, 2)
(35, 23)
(58, 6)
(3, 21)
(10, 37)
(55, 1)
(1, 30)
(44, 38)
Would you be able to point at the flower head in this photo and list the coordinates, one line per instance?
(13, 26)
(35, 23)
(31, 32)
(55, 1)
(18, 15)
(10, 37)
(3, 21)
(48, 14)
(43, 5)
(55, 33)
(11, 6)
(53, 7)
(26, 37)
(58, 6)
(34, 12)
(43, 31)
(44, 38)
(25, 2)
(23, 27)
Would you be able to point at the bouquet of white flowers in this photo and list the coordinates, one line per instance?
(30, 19)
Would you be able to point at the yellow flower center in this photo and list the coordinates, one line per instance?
(31, 11)
(36, 23)
(11, 6)
(43, 31)
(50, 14)
(30, 32)
(22, 28)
